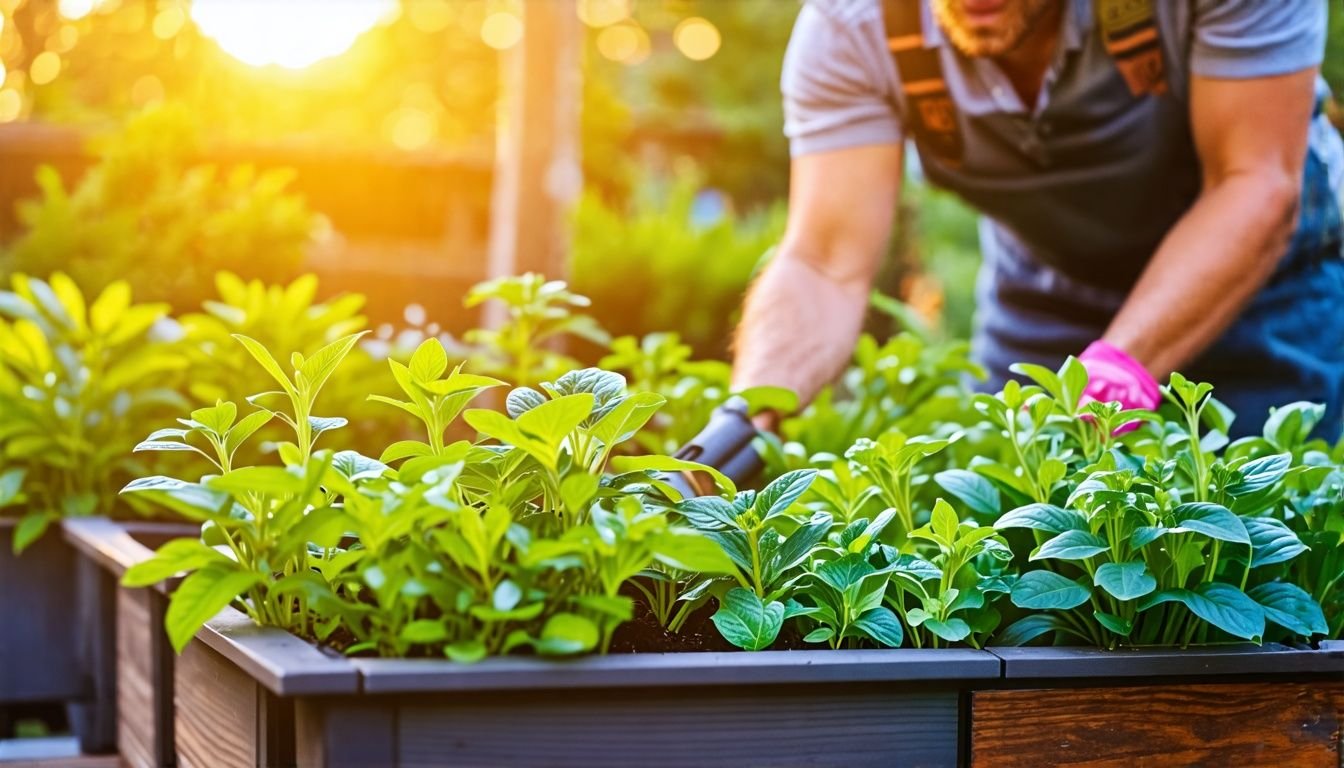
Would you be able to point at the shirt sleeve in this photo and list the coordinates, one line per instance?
(1242, 39)
(833, 85)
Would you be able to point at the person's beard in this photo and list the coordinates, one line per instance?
(1017, 18)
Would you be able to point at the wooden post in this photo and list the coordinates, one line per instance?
(537, 173)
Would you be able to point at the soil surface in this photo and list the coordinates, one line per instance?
(644, 634)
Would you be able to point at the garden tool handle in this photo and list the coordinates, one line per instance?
(725, 444)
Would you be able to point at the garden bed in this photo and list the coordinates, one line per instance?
(122, 646)
(257, 696)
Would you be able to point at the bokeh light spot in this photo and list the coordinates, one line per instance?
(411, 128)
(697, 39)
(292, 34)
(168, 22)
(626, 43)
(148, 89)
(603, 13)
(75, 9)
(501, 30)
(45, 67)
(11, 104)
(430, 16)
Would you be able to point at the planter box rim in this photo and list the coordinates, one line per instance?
(678, 670)
(284, 663)
(1241, 659)
(112, 544)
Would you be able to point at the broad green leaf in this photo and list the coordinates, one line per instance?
(626, 418)
(1147, 534)
(429, 361)
(507, 595)
(974, 490)
(1222, 605)
(1071, 545)
(567, 633)
(1261, 473)
(354, 465)
(202, 595)
(1125, 581)
(173, 557)
(780, 494)
(781, 400)
(262, 479)
(552, 421)
(424, 631)
(577, 492)
(1120, 626)
(262, 356)
(405, 449)
(882, 627)
(30, 528)
(465, 651)
(1029, 628)
(746, 622)
(944, 522)
(671, 464)
(690, 551)
(819, 635)
(952, 630)
(1289, 606)
(798, 545)
(521, 400)
(317, 369)
(1046, 590)
(1212, 520)
(845, 572)
(1271, 541)
(11, 483)
(708, 513)
(1043, 517)
(245, 428)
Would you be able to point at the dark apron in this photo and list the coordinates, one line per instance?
(1287, 345)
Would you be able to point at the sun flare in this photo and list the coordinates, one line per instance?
(291, 34)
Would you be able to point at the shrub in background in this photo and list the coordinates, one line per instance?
(147, 212)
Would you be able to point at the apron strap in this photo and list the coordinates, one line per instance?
(1129, 32)
(931, 113)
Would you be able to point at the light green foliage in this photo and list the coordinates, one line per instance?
(536, 313)
(651, 265)
(148, 214)
(77, 381)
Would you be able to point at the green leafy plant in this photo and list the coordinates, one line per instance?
(534, 315)
(77, 380)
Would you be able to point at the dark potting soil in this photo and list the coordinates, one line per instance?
(643, 634)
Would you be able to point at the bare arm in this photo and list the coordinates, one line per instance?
(803, 314)
(1251, 136)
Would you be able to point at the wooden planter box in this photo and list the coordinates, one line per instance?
(1269, 705)
(121, 644)
(37, 644)
(252, 696)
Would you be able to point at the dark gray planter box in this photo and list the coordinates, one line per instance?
(1240, 705)
(121, 644)
(253, 696)
(37, 643)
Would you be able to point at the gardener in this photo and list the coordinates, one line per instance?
(1157, 179)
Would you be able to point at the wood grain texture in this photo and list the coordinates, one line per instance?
(1243, 724)
(345, 734)
(144, 680)
(835, 725)
(217, 711)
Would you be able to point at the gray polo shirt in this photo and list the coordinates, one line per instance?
(1079, 188)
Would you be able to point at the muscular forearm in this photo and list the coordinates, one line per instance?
(1206, 270)
(798, 326)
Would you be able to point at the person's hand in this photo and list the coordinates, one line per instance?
(1113, 376)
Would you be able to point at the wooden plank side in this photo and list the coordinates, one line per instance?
(846, 725)
(144, 680)
(217, 711)
(1272, 723)
(345, 733)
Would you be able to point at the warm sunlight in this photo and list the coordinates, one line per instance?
(292, 34)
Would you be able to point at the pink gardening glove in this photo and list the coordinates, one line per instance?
(1113, 376)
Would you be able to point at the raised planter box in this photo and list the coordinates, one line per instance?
(121, 644)
(37, 646)
(252, 696)
(1246, 705)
